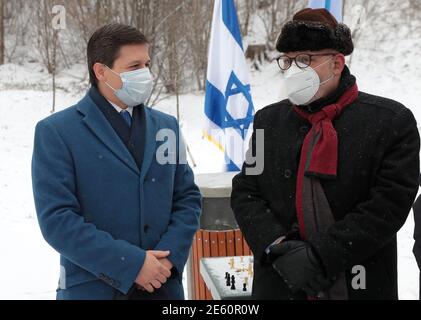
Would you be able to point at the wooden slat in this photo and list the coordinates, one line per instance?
(247, 251)
(206, 254)
(200, 282)
(195, 268)
(238, 243)
(214, 244)
(230, 243)
(199, 254)
(222, 244)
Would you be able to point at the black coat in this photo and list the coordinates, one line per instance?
(377, 184)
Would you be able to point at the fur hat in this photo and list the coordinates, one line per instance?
(314, 30)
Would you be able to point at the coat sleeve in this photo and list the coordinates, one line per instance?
(255, 218)
(186, 210)
(61, 221)
(375, 222)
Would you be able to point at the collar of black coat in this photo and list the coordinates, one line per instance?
(347, 81)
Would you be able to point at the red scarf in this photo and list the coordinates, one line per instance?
(319, 154)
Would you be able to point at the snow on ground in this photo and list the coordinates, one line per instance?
(30, 267)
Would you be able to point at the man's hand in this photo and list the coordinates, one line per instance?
(300, 268)
(167, 263)
(154, 273)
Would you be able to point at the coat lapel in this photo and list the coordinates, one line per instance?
(98, 124)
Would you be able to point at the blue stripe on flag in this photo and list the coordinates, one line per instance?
(214, 101)
(229, 16)
(328, 5)
(231, 166)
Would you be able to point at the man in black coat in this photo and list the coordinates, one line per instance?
(340, 175)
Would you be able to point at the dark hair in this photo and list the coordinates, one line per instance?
(105, 44)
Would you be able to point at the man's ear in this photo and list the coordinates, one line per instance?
(99, 70)
(339, 65)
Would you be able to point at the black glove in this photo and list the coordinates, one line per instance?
(293, 234)
(299, 266)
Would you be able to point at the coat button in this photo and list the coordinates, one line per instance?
(288, 174)
(146, 228)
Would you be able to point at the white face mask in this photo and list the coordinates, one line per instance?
(302, 85)
(137, 87)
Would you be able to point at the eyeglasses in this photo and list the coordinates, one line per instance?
(302, 61)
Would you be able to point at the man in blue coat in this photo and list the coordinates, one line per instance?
(113, 192)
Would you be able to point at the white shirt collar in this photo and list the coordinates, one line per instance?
(118, 109)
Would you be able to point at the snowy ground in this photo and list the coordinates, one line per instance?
(30, 268)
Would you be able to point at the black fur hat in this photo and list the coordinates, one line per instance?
(314, 30)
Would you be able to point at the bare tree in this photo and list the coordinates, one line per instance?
(414, 16)
(48, 43)
(367, 17)
(274, 14)
(18, 32)
(179, 32)
(199, 26)
(246, 10)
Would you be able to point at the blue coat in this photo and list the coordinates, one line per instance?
(100, 212)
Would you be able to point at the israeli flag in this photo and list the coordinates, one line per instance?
(334, 6)
(229, 106)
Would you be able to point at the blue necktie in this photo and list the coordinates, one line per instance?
(127, 117)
